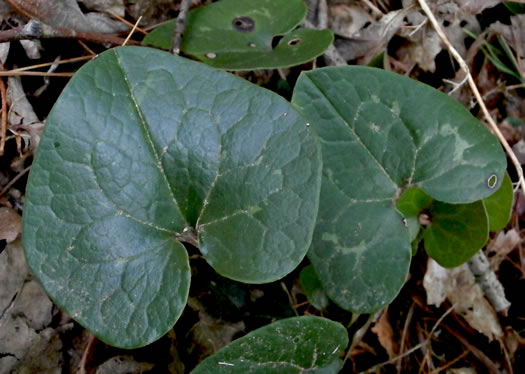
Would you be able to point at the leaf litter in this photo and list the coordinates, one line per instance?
(35, 336)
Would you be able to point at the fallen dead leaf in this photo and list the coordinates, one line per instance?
(368, 42)
(23, 120)
(11, 224)
(67, 14)
(499, 247)
(459, 286)
(347, 19)
(385, 334)
(27, 343)
(123, 365)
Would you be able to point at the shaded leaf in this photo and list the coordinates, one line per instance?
(247, 35)
(456, 233)
(313, 288)
(137, 154)
(382, 133)
(293, 345)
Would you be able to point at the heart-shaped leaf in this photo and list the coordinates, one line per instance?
(382, 133)
(144, 149)
(247, 35)
(295, 345)
(456, 233)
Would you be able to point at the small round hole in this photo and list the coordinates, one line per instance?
(243, 24)
(252, 45)
(294, 41)
(492, 181)
(211, 55)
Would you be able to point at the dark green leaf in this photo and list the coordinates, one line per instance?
(313, 288)
(294, 345)
(411, 203)
(144, 148)
(456, 233)
(499, 205)
(382, 133)
(247, 35)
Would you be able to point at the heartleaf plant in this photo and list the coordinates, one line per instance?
(145, 151)
(384, 138)
(247, 35)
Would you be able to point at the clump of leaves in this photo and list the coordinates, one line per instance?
(247, 35)
(145, 150)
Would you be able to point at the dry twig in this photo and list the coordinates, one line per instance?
(475, 91)
(35, 29)
(180, 25)
(3, 131)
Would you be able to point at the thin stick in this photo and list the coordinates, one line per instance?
(404, 335)
(132, 31)
(126, 22)
(180, 25)
(13, 181)
(3, 133)
(14, 73)
(43, 65)
(416, 347)
(88, 50)
(475, 91)
(35, 29)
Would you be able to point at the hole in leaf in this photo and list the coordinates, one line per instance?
(275, 41)
(243, 24)
(252, 45)
(294, 41)
(211, 55)
(492, 181)
(56, 144)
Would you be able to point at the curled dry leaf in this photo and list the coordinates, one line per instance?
(27, 343)
(368, 42)
(114, 6)
(385, 334)
(459, 286)
(67, 14)
(11, 224)
(499, 247)
(425, 43)
(514, 35)
(23, 120)
(347, 19)
(123, 365)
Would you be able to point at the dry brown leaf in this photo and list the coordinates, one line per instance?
(123, 365)
(499, 247)
(27, 342)
(368, 42)
(514, 35)
(67, 14)
(425, 43)
(347, 19)
(10, 224)
(459, 286)
(23, 120)
(476, 6)
(114, 6)
(385, 334)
